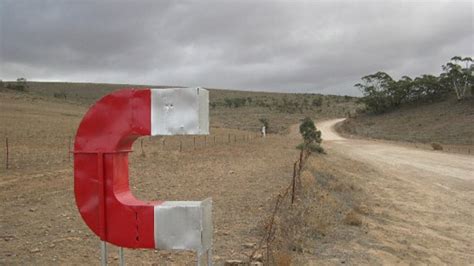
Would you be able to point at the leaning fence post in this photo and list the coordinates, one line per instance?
(69, 149)
(6, 144)
(294, 183)
(141, 146)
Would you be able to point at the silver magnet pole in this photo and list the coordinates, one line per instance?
(121, 257)
(103, 253)
(209, 257)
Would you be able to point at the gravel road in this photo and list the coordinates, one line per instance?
(399, 159)
(421, 201)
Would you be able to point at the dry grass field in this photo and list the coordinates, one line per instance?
(350, 209)
(40, 223)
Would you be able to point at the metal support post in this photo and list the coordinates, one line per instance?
(103, 253)
(121, 257)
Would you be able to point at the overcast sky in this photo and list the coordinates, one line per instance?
(292, 46)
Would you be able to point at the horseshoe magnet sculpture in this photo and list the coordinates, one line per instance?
(101, 183)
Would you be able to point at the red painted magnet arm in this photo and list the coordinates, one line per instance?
(103, 196)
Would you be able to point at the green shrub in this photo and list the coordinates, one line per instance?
(235, 102)
(60, 95)
(311, 137)
(317, 102)
(21, 84)
(309, 132)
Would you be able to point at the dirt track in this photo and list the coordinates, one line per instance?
(401, 160)
(422, 202)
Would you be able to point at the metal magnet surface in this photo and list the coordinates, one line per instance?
(179, 111)
(184, 225)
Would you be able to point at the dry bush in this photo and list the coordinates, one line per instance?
(436, 146)
(327, 203)
(352, 218)
(317, 211)
(283, 259)
(362, 209)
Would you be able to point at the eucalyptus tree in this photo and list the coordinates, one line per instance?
(458, 77)
(376, 89)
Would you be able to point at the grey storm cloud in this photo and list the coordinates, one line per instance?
(294, 46)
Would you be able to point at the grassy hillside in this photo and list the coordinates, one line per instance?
(446, 122)
(281, 109)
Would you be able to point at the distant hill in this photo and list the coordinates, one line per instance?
(445, 122)
(229, 108)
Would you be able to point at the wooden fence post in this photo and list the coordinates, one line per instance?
(6, 144)
(69, 149)
(294, 183)
(180, 145)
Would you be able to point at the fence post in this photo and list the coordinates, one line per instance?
(194, 142)
(180, 145)
(69, 149)
(301, 161)
(228, 138)
(214, 139)
(294, 183)
(205, 141)
(6, 144)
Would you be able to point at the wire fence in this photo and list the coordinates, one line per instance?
(287, 196)
(25, 152)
